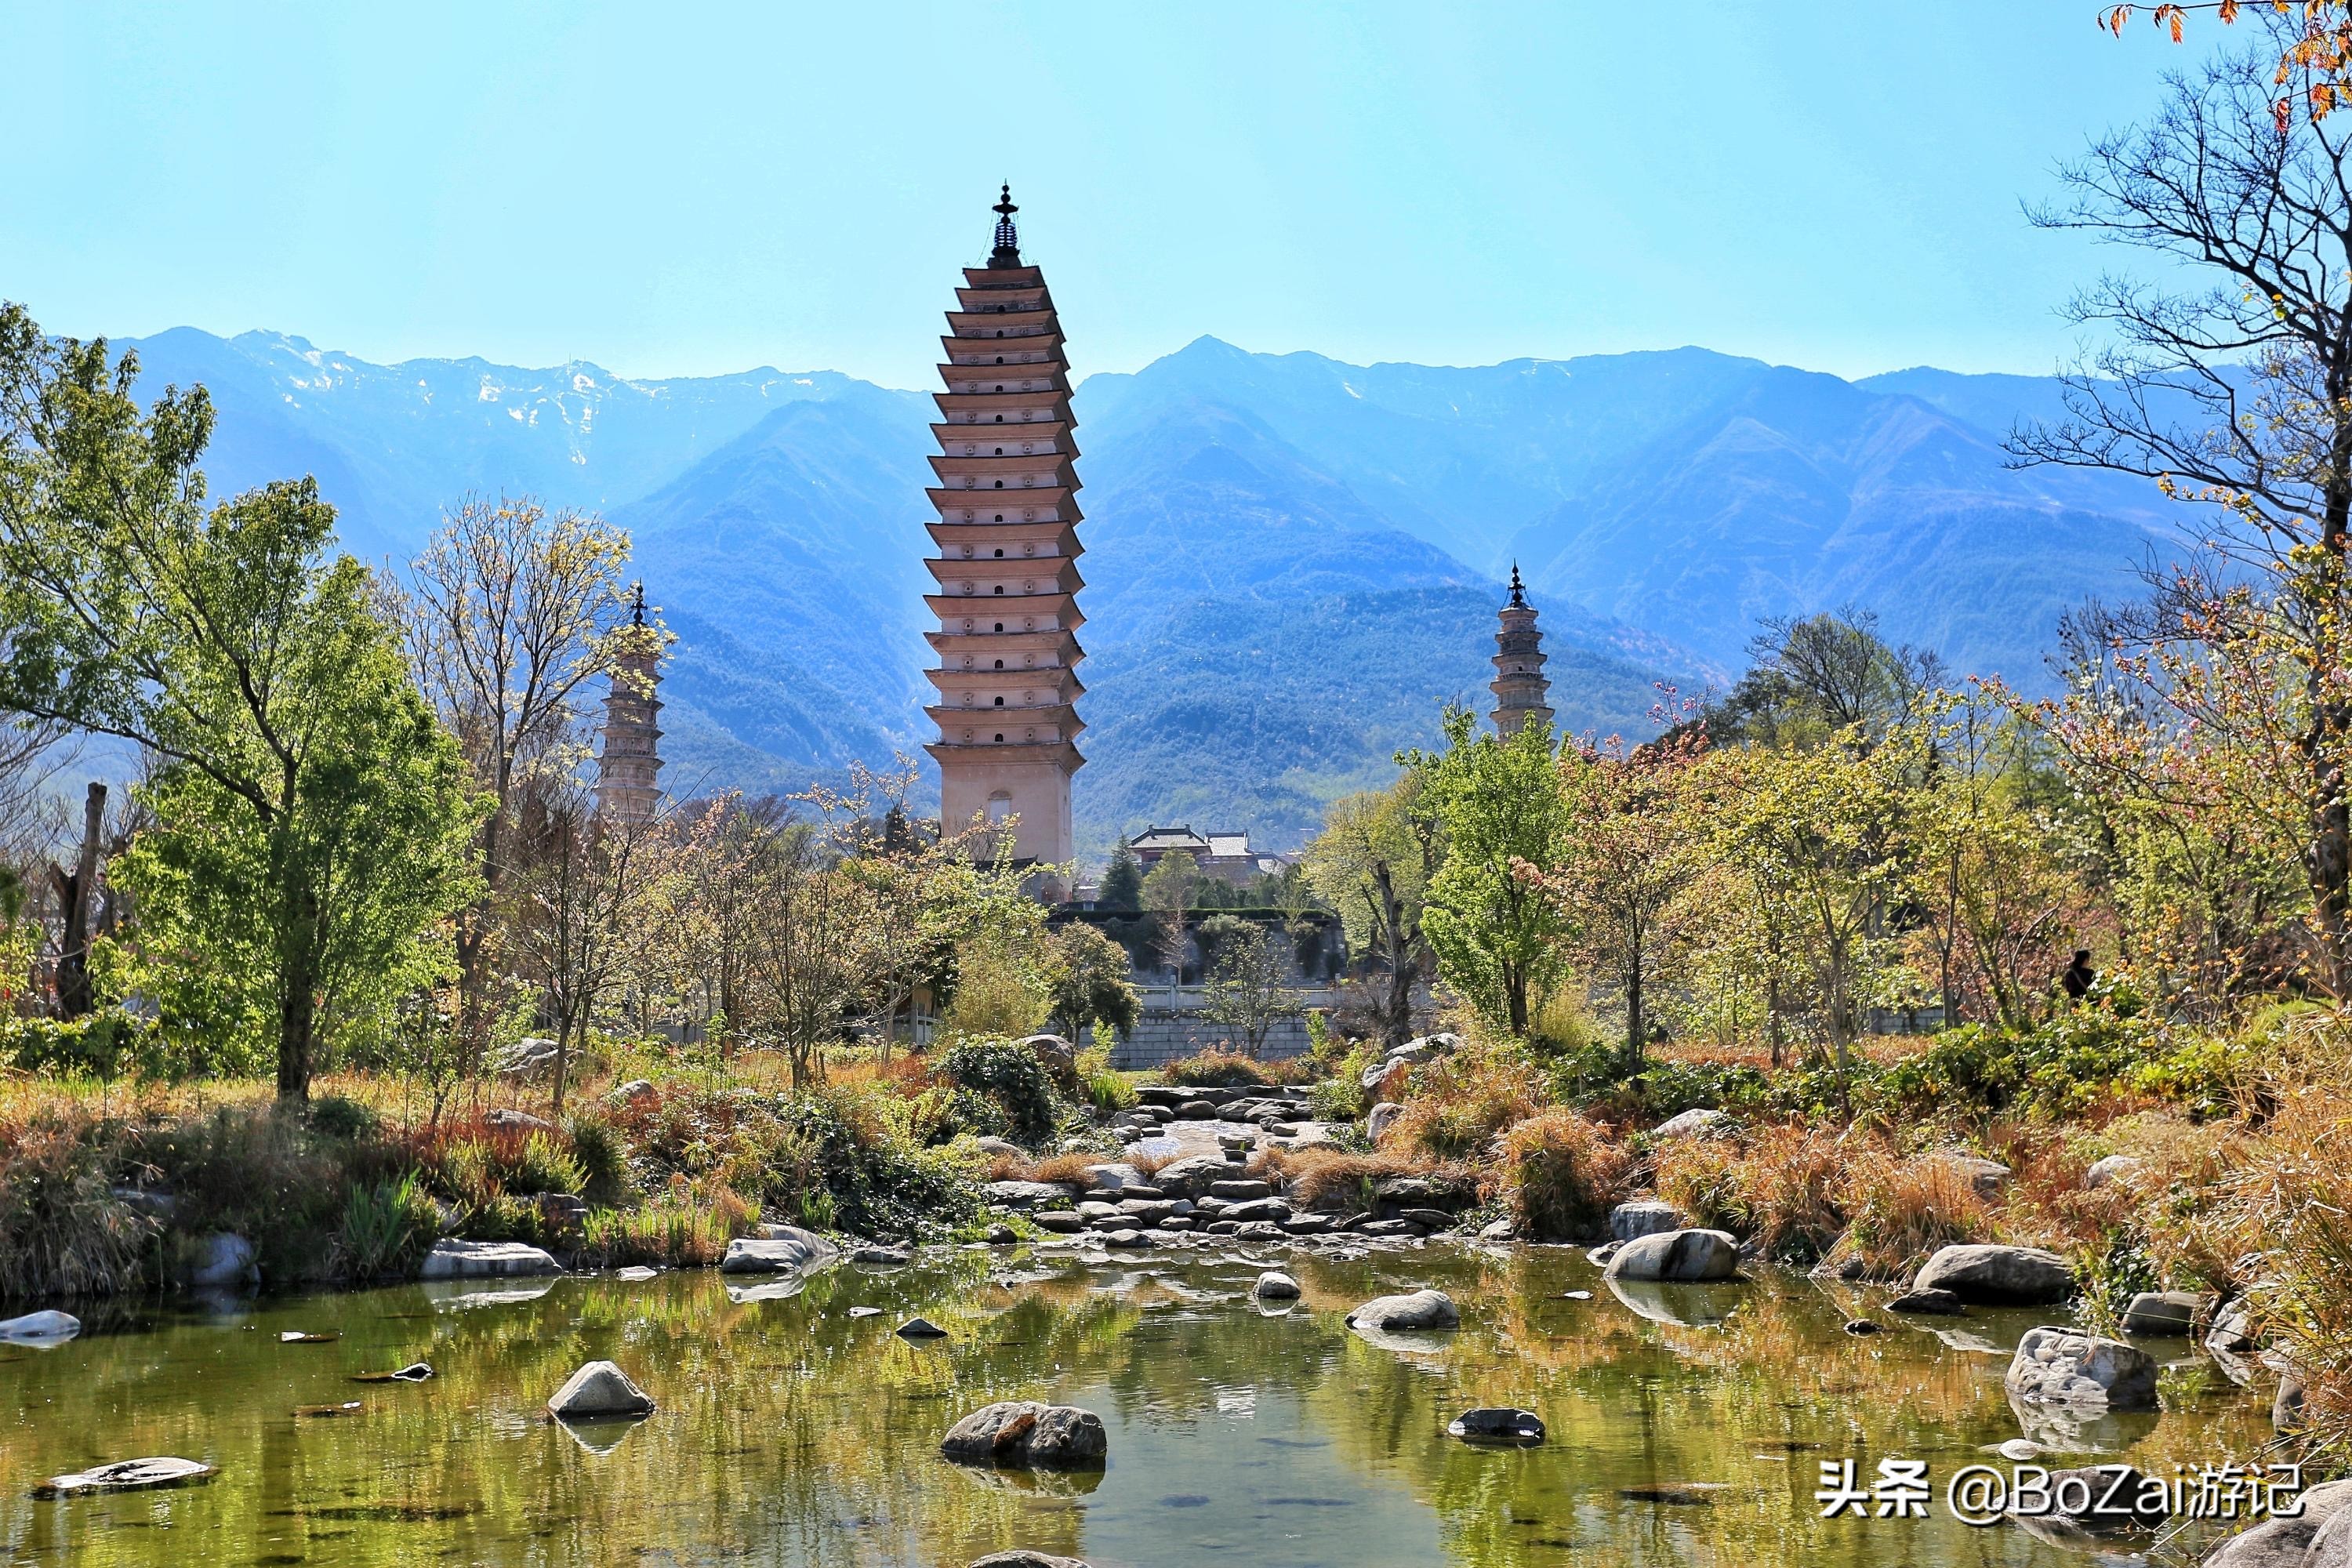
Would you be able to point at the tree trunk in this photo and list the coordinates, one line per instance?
(79, 889)
(297, 1023)
(1633, 1020)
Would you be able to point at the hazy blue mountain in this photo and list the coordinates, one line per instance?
(393, 445)
(1292, 562)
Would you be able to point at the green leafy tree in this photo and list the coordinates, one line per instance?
(1089, 982)
(1249, 989)
(1498, 935)
(1823, 841)
(312, 815)
(1372, 862)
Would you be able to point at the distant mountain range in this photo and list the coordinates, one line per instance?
(1291, 563)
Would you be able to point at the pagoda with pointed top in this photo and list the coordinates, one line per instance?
(629, 756)
(1521, 692)
(1005, 570)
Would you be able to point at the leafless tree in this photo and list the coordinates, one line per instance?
(2236, 394)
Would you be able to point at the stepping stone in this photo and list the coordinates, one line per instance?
(128, 1475)
(920, 1329)
(1497, 1425)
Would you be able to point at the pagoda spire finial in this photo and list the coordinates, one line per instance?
(1008, 239)
(1518, 590)
(638, 604)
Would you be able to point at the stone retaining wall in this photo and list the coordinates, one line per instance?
(1160, 1036)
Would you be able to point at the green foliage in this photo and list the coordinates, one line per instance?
(1007, 1077)
(1496, 932)
(601, 1154)
(544, 1165)
(880, 1184)
(103, 1046)
(387, 1226)
(1105, 1089)
(1088, 980)
(2062, 1067)
(343, 1118)
(311, 818)
(1122, 883)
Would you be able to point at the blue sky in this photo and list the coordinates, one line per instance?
(675, 189)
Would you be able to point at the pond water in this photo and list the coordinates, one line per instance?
(792, 1431)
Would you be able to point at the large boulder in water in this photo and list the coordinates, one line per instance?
(2162, 1312)
(2319, 1537)
(779, 1249)
(1420, 1311)
(454, 1259)
(1688, 1255)
(1985, 1275)
(1021, 1557)
(1023, 1433)
(599, 1391)
(2062, 1366)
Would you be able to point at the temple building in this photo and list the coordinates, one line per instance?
(1521, 692)
(1006, 568)
(629, 756)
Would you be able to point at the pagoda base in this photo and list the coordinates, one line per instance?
(1035, 789)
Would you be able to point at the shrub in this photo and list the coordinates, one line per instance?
(339, 1116)
(881, 1182)
(603, 1156)
(1561, 1174)
(104, 1046)
(1219, 1066)
(542, 1165)
(386, 1226)
(1337, 1099)
(1105, 1089)
(1006, 1075)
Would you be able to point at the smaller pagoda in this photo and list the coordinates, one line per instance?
(628, 760)
(1521, 692)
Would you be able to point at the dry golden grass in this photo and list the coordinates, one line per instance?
(1328, 1179)
(1456, 1107)
(1899, 1209)
(1781, 1186)
(1561, 1174)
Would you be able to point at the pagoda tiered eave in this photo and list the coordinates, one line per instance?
(1046, 346)
(989, 430)
(993, 324)
(1062, 607)
(1052, 574)
(951, 536)
(1056, 496)
(1004, 645)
